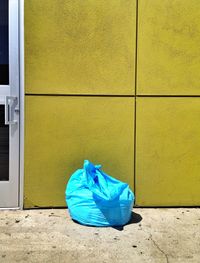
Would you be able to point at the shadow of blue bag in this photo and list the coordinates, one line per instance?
(97, 199)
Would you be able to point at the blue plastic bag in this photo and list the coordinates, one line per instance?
(97, 199)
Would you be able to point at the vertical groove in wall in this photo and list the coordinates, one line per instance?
(136, 52)
(136, 45)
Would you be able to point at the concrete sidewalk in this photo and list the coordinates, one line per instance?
(153, 235)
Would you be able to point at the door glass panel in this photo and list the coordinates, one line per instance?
(4, 146)
(4, 53)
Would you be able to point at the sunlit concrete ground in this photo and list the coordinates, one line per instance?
(49, 235)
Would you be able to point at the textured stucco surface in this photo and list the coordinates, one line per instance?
(168, 152)
(168, 47)
(80, 47)
(63, 131)
(88, 47)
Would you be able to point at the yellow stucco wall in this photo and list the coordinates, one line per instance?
(77, 48)
(168, 50)
(168, 151)
(167, 128)
(80, 47)
(63, 131)
(74, 49)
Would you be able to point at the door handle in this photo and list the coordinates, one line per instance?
(10, 108)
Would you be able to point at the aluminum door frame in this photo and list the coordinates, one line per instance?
(10, 189)
(22, 94)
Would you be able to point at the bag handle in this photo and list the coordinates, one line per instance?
(100, 183)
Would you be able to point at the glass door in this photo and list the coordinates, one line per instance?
(9, 104)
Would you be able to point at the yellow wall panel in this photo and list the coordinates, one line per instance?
(61, 132)
(168, 152)
(168, 47)
(80, 47)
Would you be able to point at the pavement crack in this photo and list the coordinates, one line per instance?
(156, 245)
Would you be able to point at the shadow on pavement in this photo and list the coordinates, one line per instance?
(135, 218)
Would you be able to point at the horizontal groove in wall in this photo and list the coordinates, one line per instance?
(167, 96)
(125, 96)
(78, 95)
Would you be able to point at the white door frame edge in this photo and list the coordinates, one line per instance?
(22, 94)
